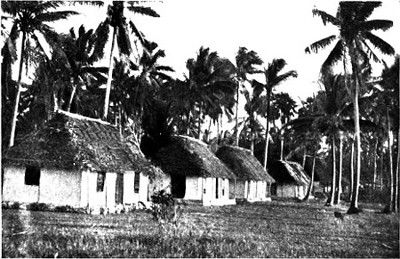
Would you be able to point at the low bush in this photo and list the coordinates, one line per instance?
(163, 208)
(37, 206)
(66, 208)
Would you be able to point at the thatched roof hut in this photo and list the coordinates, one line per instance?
(243, 164)
(70, 141)
(187, 156)
(287, 172)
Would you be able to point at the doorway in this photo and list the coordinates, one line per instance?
(178, 186)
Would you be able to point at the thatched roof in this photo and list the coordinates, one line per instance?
(71, 141)
(242, 162)
(191, 157)
(287, 172)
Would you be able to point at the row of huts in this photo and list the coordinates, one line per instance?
(84, 162)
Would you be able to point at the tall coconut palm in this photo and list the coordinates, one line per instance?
(286, 106)
(246, 62)
(30, 19)
(211, 78)
(117, 21)
(354, 33)
(272, 79)
(80, 54)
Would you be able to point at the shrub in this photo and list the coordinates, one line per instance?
(36, 206)
(66, 208)
(15, 206)
(163, 208)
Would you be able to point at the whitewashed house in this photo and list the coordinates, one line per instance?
(81, 162)
(196, 173)
(253, 183)
(291, 179)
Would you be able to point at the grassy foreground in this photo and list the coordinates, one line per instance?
(277, 229)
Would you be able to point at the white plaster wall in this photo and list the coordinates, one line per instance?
(84, 188)
(290, 191)
(129, 195)
(109, 189)
(14, 188)
(209, 190)
(143, 189)
(60, 187)
(193, 188)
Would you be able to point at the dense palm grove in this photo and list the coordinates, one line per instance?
(350, 128)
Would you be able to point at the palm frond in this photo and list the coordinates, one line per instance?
(371, 53)
(88, 2)
(123, 42)
(9, 7)
(164, 68)
(382, 45)
(54, 16)
(279, 79)
(376, 25)
(143, 10)
(101, 34)
(137, 33)
(320, 44)
(326, 18)
(366, 8)
(159, 54)
(335, 55)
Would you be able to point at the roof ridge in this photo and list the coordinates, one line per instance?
(81, 117)
(192, 139)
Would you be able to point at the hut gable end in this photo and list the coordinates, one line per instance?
(190, 157)
(243, 163)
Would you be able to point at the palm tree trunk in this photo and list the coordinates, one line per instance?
(199, 124)
(188, 123)
(109, 78)
(375, 163)
(391, 202)
(218, 129)
(354, 200)
(71, 97)
(352, 169)
(340, 169)
(267, 129)
(397, 201)
(333, 186)
(310, 187)
(304, 158)
(237, 116)
(17, 97)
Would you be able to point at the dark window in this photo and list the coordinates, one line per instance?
(32, 175)
(136, 182)
(216, 188)
(101, 178)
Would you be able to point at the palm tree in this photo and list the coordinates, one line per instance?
(252, 107)
(245, 65)
(354, 32)
(286, 106)
(272, 79)
(117, 21)
(80, 54)
(30, 18)
(211, 79)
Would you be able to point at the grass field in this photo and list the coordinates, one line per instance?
(276, 229)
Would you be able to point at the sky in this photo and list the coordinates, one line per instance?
(274, 29)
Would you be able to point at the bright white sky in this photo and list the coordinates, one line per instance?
(274, 29)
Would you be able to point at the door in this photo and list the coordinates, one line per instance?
(178, 186)
(119, 189)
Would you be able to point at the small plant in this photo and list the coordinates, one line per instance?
(66, 208)
(15, 206)
(37, 206)
(163, 208)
